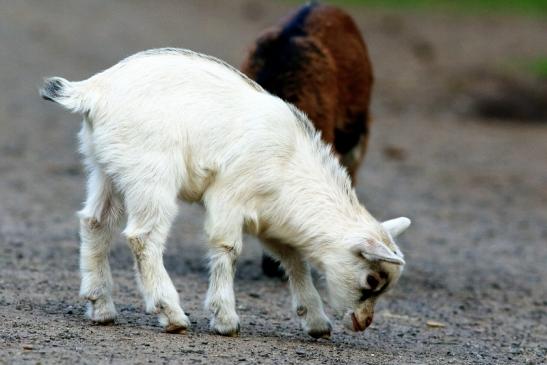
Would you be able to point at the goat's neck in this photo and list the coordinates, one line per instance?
(323, 212)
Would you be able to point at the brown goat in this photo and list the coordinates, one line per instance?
(317, 60)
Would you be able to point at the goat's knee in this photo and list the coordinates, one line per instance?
(91, 224)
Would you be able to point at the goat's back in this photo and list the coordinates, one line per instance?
(179, 111)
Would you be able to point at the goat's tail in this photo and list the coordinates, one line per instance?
(68, 94)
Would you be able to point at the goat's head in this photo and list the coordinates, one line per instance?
(364, 269)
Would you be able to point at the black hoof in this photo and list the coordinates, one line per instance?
(271, 267)
(322, 333)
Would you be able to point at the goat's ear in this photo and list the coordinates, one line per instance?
(376, 251)
(396, 226)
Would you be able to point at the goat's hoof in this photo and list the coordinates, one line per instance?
(320, 334)
(322, 331)
(101, 312)
(105, 322)
(271, 267)
(227, 329)
(228, 332)
(176, 322)
(176, 328)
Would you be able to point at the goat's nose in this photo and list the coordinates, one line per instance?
(368, 321)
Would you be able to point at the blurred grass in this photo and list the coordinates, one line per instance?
(538, 68)
(529, 7)
(531, 66)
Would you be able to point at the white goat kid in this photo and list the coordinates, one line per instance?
(170, 123)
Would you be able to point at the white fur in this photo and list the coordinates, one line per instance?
(171, 123)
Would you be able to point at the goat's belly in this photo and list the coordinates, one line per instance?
(190, 195)
(194, 184)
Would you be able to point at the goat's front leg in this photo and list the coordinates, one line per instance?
(224, 230)
(220, 299)
(306, 300)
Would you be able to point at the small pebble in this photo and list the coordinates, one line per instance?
(435, 324)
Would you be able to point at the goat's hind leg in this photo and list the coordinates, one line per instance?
(150, 215)
(98, 219)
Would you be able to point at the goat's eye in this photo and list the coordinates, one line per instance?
(365, 294)
(372, 282)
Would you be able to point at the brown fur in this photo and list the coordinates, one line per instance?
(317, 60)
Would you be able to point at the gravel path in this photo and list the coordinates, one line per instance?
(476, 190)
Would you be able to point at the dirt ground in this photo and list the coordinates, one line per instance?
(475, 189)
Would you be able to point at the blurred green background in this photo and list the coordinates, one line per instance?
(536, 67)
(533, 7)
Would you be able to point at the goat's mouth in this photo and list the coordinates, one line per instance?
(356, 326)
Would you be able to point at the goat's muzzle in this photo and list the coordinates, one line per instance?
(354, 323)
